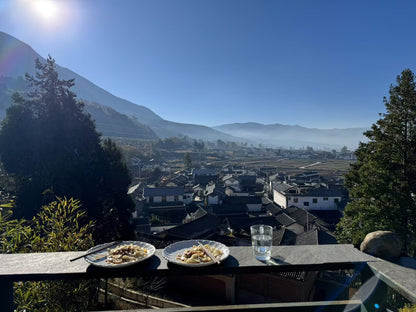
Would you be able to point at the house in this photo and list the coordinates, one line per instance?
(271, 208)
(229, 211)
(284, 237)
(180, 180)
(244, 222)
(188, 195)
(204, 176)
(253, 203)
(315, 237)
(307, 196)
(164, 195)
(235, 191)
(247, 182)
(330, 217)
(304, 178)
(204, 227)
(214, 194)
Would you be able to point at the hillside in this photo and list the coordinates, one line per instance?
(138, 122)
(115, 116)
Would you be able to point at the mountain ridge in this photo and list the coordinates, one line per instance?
(132, 120)
(297, 136)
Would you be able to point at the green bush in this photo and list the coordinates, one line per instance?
(57, 227)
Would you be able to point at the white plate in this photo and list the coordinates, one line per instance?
(171, 252)
(100, 256)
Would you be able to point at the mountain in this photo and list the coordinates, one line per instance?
(295, 136)
(117, 117)
(17, 58)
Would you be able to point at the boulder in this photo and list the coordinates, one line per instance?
(382, 244)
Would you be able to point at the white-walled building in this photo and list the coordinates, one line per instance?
(310, 197)
(163, 195)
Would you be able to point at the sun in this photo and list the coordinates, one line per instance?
(47, 9)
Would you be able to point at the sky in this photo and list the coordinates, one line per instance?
(318, 64)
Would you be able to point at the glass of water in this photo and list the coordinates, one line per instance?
(261, 240)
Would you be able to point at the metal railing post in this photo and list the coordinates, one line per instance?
(6, 296)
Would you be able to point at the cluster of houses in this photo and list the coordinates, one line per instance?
(222, 205)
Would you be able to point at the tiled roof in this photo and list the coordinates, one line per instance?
(242, 200)
(300, 215)
(244, 222)
(201, 228)
(162, 191)
(331, 217)
(284, 236)
(283, 187)
(315, 237)
(273, 208)
(214, 190)
(322, 192)
(203, 171)
(180, 180)
(229, 209)
(227, 177)
(284, 219)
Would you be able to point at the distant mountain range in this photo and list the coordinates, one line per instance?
(295, 136)
(117, 117)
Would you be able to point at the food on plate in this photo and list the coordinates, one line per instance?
(125, 253)
(196, 254)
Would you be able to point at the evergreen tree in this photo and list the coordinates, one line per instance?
(50, 146)
(382, 183)
(187, 160)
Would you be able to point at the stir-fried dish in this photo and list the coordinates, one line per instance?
(196, 254)
(125, 253)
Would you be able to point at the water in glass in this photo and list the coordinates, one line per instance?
(262, 246)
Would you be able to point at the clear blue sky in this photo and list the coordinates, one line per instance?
(322, 64)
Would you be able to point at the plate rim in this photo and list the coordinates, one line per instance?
(195, 242)
(126, 242)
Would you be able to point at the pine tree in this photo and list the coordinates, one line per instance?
(187, 160)
(50, 146)
(382, 183)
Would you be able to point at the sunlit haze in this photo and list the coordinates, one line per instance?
(321, 64)
(47, 9)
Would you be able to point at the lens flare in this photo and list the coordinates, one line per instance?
(47, 9)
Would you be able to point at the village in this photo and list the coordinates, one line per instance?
(222, 203)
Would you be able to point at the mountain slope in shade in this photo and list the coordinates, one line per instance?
(108, 121)
(111, 123)
(118, 117)
(17, 58)
(164, 129)
(295, 136)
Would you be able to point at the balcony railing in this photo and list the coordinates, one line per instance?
(399, 276)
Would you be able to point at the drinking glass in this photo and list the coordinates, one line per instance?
(261, 240)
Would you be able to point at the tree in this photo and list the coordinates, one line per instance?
(187, 160)
(50, 146)
(382, 183)
(344, 150)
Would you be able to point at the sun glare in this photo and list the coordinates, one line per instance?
(47, 9)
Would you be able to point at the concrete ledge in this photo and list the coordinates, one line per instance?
(400, 275)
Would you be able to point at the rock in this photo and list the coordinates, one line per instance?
(382, 244)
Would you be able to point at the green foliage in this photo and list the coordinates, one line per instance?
(15, 235)
(187, 161)
(47, 142)
(408, 308)
(382, 183)
(71, 296)
(57, 227)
